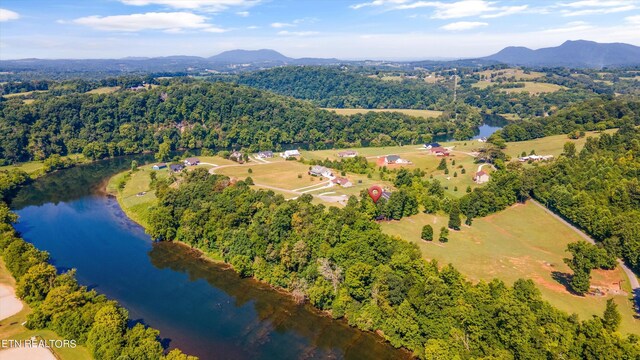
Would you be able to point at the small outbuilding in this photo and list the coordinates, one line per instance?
(348, 154)
(159, 166)
(265, 154)
(290, 153)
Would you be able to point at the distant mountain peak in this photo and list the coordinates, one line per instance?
(250, 56)
(572, 53)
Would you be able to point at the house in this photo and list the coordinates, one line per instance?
(290, 153)
(439, 151)
(176, 167)
(236, 156)
(192, 161)
(318, 170)
(395, 159)
(431, 145)
(535, 158)
(265, 154)
(159, 166)
(481, 177)
(482, 139)
(344, 182)
(348, 154)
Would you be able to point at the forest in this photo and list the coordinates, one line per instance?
(595, 114)
(341, 88)
(60, 304)
(340, 261)
(195, 115)
(598, 189)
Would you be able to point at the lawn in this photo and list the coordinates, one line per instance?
(11, 328)
(104, 90)
(518, 74)
(281, 174)
(411, 112)
(535, 88)
(520, 242)
(550, 145)
(8, 96)
(32, 166)
(136, 197)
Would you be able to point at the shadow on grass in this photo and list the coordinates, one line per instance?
(564, 279)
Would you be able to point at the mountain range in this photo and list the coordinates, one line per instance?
(577, 54)
(580, 53)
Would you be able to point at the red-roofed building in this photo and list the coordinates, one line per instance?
(481, 177)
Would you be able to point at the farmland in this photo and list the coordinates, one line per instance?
(520, 242)
(411, 112)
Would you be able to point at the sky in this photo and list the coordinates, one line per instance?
(344, 29)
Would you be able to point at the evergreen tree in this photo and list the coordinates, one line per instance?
(444, 235)
(612, 317)
(427, 233)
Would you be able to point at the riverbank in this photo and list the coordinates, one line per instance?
(12, 328)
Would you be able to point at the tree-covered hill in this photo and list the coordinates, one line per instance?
(194, 114)
(334, 87)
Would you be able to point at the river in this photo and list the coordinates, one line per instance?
(201, 307)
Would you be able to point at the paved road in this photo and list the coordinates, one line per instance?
(633, 279)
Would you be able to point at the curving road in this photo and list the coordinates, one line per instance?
(633, 279)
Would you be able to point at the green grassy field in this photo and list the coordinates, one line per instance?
(104, 90)
(11, 328)
(9, 96)
(135, 204)
(550, 145)
(535, 88)
(411, 112)
(520, 242)
(32, 166)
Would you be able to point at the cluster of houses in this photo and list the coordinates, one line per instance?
(318, 170)
(192, 161)
(535, 158)
(436, 149)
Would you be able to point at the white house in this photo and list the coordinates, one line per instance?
(318, 170)
(395, 159)
(481, 177)
(290, 153)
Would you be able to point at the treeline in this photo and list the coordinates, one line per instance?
(72, 311)
(598, 189)
(341, 88)
(594, 114)
(193, 115)
(340, 261)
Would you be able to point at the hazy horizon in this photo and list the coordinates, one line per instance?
(349, 30)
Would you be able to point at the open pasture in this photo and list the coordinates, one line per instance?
(411, 112)
(522, 241)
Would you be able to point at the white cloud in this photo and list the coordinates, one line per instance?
(279, 25)
(573, 26)
(506, 11)
(297, 33)
(463, 25)
(593, 7)
(8, 15)
(633, 19)
(377, 3)
(449, 10)
(242, 13)
(171, 22)
(210, 5)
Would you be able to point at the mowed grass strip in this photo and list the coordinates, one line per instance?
(411, 112)
(550, 145)
(520, 242)
(104, 90)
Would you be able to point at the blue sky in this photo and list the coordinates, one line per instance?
(346, 29)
